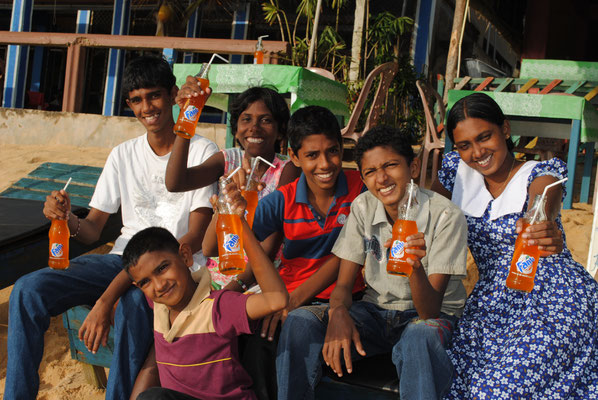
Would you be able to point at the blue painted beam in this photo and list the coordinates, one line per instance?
(422, 34)
(83, 21)
(120, 26)
(193, 27)
(239, 28)
(17, 57)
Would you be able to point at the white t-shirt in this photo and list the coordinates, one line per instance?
(133, 179)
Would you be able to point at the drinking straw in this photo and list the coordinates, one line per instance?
(67, 183)
(234, 172)
(255, 163)
(544, 195)
(216, 55)
(409, 199)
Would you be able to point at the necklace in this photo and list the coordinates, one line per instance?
(506, 180)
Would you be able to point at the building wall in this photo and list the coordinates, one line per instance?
(22, 126)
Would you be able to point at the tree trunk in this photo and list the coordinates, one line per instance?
(357, 40)
(451, 60)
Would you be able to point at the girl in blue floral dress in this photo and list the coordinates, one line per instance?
(510, 344)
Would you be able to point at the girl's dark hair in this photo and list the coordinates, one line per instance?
(476, 105)
(313, 120)
(147, 72)
(273, 101)
(384, 136)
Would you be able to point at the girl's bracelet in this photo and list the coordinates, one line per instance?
(78, 226)
(242, 284)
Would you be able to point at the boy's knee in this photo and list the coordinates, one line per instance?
(301, 323)
(426, 333)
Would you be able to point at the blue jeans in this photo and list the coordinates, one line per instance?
(46, 293)
(417, 347)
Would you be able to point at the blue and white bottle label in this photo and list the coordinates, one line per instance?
(398, 249)
(56, 250)
(525, 264)
(191, 113)
(232, 243)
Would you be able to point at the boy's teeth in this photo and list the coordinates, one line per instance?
(325, 176)
(255, 140)
(387, 189)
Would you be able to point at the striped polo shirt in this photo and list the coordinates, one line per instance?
(308, 236)
(198, 355)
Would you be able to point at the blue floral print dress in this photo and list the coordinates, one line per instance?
(510, 344)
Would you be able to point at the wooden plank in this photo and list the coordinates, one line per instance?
(462, 83)
(551, 86)
(503, 85)
(592, 94)
(15, 193)
(72, 167)
(82, 178)
(528, 85)
(573, 88)
(483, 85)
(74, 189)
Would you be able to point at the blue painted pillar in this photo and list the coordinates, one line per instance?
(193, 26)
(38, 61)
(120, 26)
(17, 57)
(422, 34)
(83, 21)
(239, 29)
(169, 55)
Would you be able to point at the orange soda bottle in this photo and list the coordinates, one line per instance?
(526, 257)
(189, 114)
(251, 196)
(403, 227)
(229, 231)
(59, 235)
(258, 56)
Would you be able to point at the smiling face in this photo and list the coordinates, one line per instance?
(164, 277)
(257, 130)
(153, 108)
(320, 159)
(482, 145)
(386, 175)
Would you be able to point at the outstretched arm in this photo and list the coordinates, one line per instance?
(341, 332)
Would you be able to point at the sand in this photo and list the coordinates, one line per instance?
(63, 378)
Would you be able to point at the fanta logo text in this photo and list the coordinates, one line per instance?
(398, 249)
(56, 250)
(191, 113)
(525, 264)
(231, 243)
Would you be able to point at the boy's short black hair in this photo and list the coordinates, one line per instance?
(148, 240)
(147, 72)
(273, 101)
(384, 136)
(313, 120)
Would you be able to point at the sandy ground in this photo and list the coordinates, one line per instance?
(63, 378)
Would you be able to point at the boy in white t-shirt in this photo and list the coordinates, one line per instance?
(132, 180)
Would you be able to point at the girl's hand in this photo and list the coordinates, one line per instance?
(190, 89)
(546, 235)
(241, 177)
(237, 203)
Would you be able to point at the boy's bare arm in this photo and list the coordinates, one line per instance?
(199, 220)
(148, 375)
(341, 332)
(427, 292)
(274, 296)
(94, 330)
(86, 230)
(180, 178)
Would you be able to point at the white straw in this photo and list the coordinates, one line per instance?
(254, 164)
(219, 56)
(409, 199)
(544, 195)
(67, 183)
(234, 172)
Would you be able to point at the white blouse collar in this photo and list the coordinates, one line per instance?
(472, 197)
